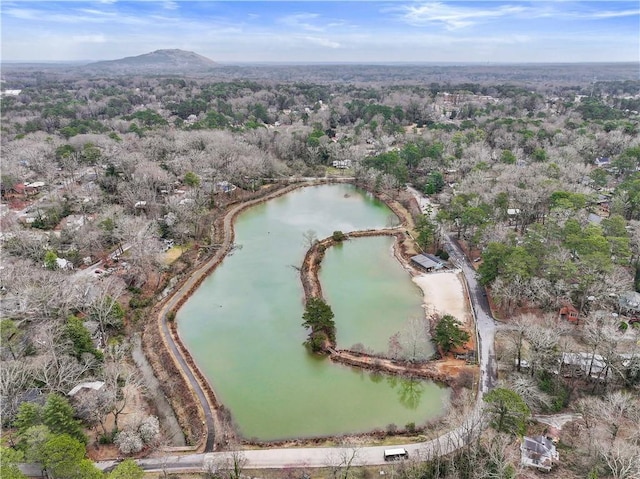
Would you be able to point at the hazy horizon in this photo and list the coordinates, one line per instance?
(325, 32)
(350, 63)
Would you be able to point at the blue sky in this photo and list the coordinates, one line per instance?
(326, 31)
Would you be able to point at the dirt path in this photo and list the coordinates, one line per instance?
(173, 431)
(446, 371)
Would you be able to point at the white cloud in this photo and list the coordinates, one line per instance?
(92, 11)
(613, 14)
(453, 17)
(98, 38)
(21, 13)
(170, 5)
(323, 42)
(301, 21)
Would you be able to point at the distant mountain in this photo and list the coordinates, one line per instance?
(159, 62)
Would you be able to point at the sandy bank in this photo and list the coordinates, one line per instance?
(444, 294)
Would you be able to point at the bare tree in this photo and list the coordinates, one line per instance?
(309, 238)
(104, 308)
(341, 462)
(622, 460)
(225, 465)
(517, 334)
(415, 341)
(15, 378)
(122, 381)
(542, 340)
(527, 388)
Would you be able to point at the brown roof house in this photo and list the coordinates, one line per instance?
(569, 313)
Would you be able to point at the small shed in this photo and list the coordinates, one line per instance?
(427, 262)
(341, 164)
(62, 263)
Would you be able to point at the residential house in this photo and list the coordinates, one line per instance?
(33, 188)
(62, 263)
(224, 187)
(18, 189)
(538, 452)
(10, 92)
(594, 219)
(569, 313)
(604, 203)
(629, 303)
(342, 164)
(88, 386)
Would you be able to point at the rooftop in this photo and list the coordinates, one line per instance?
(427, 261)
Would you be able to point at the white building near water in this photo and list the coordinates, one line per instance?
(341, 164)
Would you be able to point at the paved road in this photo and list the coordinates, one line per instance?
(424, 203)
(485, 323)
(301, 457)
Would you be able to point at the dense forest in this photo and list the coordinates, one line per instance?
(537, 177)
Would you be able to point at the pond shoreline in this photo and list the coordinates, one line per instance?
(192, 411)
(443, 371)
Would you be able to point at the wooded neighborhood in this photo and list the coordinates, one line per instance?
(115, 189)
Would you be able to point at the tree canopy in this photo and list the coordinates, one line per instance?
(509, 413)
(318, 317)
(448, 334)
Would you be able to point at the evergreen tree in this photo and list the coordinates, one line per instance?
(449, 335)
(508, 411)
(80, 338)
(29, 414)
(60, 452)
(9, 458)
(319, 318)
(57, 415)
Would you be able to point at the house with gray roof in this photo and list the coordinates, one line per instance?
(629, 302)
(538, 452)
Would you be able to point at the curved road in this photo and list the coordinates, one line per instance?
(322, 457)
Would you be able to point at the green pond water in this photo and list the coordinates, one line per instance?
(243, 325)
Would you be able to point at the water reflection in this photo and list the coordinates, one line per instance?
(410, 392)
